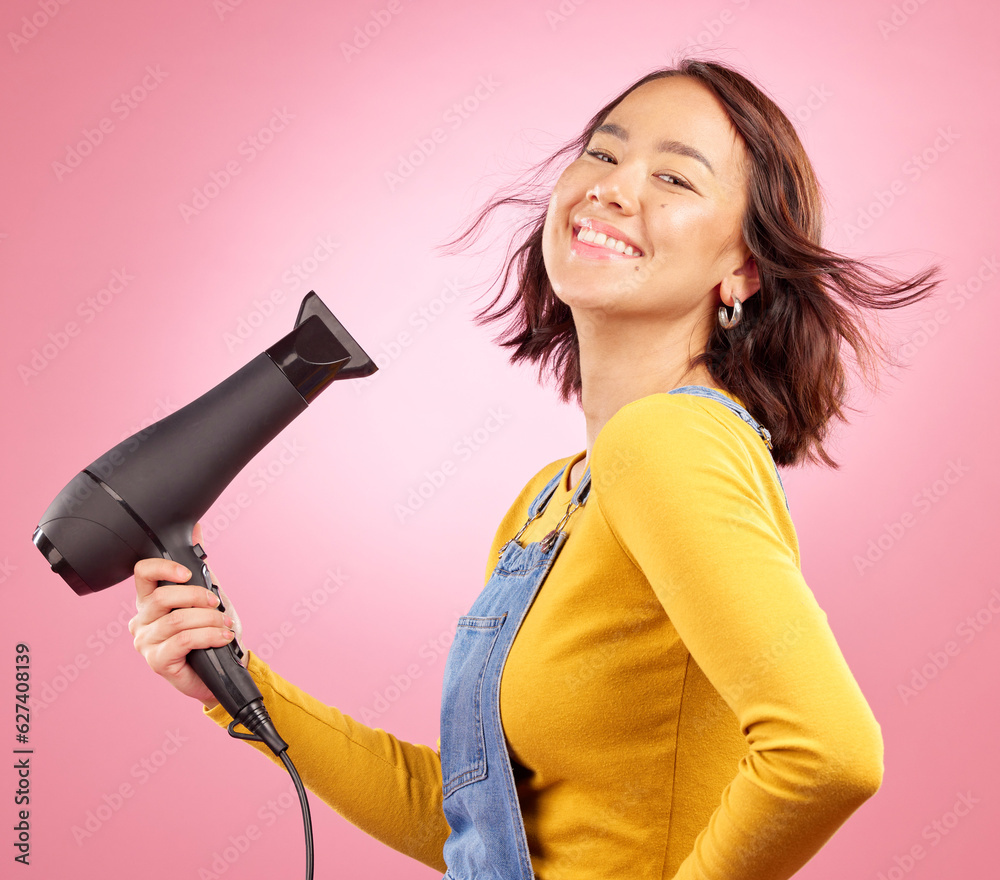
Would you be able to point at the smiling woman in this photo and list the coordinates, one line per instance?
(676, 202)
(687, 147)
(645, 687)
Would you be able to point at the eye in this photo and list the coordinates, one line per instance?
(676, 180)
(607, 157)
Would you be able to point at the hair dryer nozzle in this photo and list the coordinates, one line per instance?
(360, 364)
(318, 351)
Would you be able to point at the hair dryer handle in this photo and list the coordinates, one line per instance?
(220, 668)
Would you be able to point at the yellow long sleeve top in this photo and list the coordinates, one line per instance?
(675, 704)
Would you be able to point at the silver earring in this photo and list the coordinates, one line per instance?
(726, 322)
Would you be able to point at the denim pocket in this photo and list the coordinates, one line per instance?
(463, 747)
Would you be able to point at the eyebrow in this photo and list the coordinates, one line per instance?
(666, 146)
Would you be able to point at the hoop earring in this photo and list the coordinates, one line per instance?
(727, 322)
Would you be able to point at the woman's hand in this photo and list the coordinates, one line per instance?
(175, 619)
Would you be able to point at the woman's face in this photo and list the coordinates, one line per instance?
(665, 176)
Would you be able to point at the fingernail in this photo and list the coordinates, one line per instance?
(228, 634)
(227, 620)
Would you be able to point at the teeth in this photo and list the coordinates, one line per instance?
(602, 240)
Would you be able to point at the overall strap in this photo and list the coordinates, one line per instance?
(582, 490)
(537, 507)
(579, 498)
(542, 498)
(541, 501)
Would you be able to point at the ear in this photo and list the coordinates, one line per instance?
(743, 283)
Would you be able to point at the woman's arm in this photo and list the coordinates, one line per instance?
(388, 788)
(697, 512)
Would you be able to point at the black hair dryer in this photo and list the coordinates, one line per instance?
(143, 497)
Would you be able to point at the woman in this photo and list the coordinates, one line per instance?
(674, 704)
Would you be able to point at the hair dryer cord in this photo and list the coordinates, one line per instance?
(299, 787)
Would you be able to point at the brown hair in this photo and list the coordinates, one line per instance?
(784, 360)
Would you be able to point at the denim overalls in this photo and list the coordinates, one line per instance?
(480, 800)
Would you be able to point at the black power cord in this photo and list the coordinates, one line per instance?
(259, 721)
(306, 817)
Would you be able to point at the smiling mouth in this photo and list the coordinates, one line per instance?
(587, 242)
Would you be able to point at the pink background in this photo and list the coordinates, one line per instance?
(919, 474)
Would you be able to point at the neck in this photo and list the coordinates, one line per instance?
(628, 359)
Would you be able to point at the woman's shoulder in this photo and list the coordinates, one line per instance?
(687, 426)
(684, 447)
(668, 460)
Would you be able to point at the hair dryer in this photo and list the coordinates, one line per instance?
(143, 497)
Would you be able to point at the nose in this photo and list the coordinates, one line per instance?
(617, 189)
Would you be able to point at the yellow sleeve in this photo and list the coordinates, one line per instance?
(699, 513)
(389, 789)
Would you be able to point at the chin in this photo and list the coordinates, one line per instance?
(586, 298)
